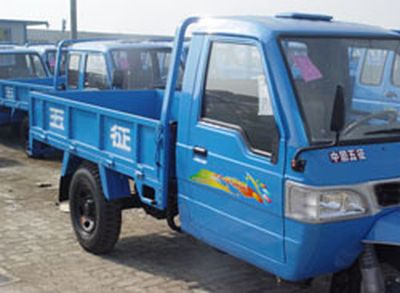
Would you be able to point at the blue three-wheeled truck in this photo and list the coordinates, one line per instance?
(90, 64)
(260, 151)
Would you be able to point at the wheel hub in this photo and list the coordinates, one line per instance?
(87, 215)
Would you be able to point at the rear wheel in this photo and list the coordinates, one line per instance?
(15, 129)
(24, 134)
(96, 222)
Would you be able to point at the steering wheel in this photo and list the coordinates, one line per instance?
(390, 115)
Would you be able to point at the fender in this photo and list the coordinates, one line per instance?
(385, 230)
(115, 185)
(69, 165)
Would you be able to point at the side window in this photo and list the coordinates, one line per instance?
(74, 61)
(355, 55)
(96, 72)
(51, 60)
(164, 59)
(38, 66)
(236, 94)
(144, 75)
(396, 71)
(373, 67)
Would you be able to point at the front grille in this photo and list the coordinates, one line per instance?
(388, 194)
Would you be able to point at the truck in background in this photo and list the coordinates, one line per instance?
(123, 64)
(376, 73)
(88, 65)
(48, 53)
(19, 63)
(258, 151)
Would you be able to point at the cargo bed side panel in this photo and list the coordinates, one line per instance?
(123, 142)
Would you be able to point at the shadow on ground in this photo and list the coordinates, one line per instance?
(11, 140)
(181, 257)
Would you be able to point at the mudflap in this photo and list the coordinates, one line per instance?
(385, 231)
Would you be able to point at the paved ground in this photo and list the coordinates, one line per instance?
(38, 251)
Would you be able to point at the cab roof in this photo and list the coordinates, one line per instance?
(109, 45)
(297, 24)
(14, 49)
(42, 48)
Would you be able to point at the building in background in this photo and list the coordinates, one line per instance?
(53, 36)
(16, 31)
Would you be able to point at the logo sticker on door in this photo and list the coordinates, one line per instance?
(250, 188)
(345, 156)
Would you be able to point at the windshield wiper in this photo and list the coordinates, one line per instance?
(383, 131)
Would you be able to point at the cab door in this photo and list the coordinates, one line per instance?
(74, 80)
(234, 162)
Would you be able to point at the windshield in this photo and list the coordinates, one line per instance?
(143, 68)
(368, 70)
(21, 65)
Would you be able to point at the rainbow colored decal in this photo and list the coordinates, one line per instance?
(252, 188)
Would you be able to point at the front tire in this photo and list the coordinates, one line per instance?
(96, 222)
(382, 270)
(347, 281)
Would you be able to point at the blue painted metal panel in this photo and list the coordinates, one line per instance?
(115, 186)
(255, 211)
(105, 136)
(384, 230)
(15, 94)
(381, 162)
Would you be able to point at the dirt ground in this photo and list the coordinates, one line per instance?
(38, 251)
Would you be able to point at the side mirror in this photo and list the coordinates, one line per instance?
(118, 80)
(338, 119)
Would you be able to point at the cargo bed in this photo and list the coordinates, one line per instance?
(14, 94)
(114, 129)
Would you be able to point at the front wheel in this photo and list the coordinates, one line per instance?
(371, 273)
(347, 281)
(96, 222)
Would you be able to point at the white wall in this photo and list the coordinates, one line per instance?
(14, 30)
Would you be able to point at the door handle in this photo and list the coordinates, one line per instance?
(390, 94)
(200, 151)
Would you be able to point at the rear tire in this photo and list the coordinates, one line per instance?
(24, 135)
(96, 222)
(16, 129)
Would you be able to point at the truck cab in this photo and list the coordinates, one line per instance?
(262, 152)
(48, 53)
(117, 64)
(83, 65)
(21, 63)
(377, 73)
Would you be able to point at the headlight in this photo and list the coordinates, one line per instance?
(319, 205)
